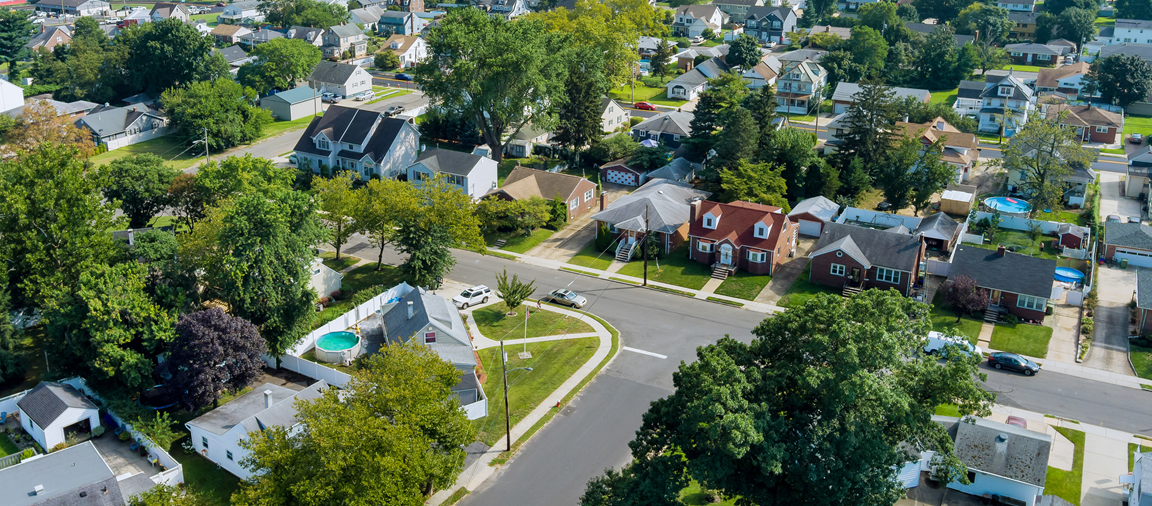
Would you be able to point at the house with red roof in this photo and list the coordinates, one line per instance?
(740, 235)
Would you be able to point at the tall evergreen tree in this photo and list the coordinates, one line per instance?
(579, 117)
(739, 138)
(724, 92)
(868, 133)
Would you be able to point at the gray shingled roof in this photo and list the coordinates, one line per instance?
(232, 53)
(819, 206)
(679, 123)
(49, 400)
(1003, 450)
(332, 72)
(1144, 51)
(876, 247)
(452, 341)
(1012, 272)
(668, 204)
(846, 92)
(938, 226)
(283, 410)
(349, 125)
(1144, 295)
(1128, 235)
(344, 31)
(222, 419)
(448, 161)
(970, 89)
(64, 474)
(679, 169)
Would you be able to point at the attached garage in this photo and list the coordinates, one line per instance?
(1128, 241)
(811, 215)
(1135, 257)
(812, 228)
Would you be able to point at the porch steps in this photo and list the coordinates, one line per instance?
(624, 253)
(851, 290)
(720, 272)
(991, 315)
(500, 243)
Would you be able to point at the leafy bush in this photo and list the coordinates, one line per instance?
(1011, 318)
(366, 294)
(125, 436)
(158, 430)
(604, 238)
(59, 447)
(28, 452)
(98, 431)
(1087, 325)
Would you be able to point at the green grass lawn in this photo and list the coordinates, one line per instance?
(743, 285)
(167, 221)
(1141, 360)
(1117, 151)
(394, 94)
(674, 268)
(645, 94)
(552, 363)
(205, 476)
(210, 18)
(7, 447)
(944, 320)
(279, 127)
(494, 325)
(1022, 338)
(593, 258)
(946, 97)
(1133, 447)
(1137, 125)
(948, 410)
(1073, 216)
(1025, 68)
(346, 261)
(1102, 21)
(518, 242)
(693, 495)
(1023, 244)
(802, 291)
(1066, 484)
(168, 147)
(355, 280)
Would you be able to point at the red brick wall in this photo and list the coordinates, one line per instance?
(585, 206)
(1146, 317)
(700, 256)
(822, 269)
(1008, 301)
(1106, 137)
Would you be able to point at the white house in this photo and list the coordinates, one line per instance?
(612, 115)
(77, 7)
(117, 127)
(410, 49)
(1140, 480)
(51, 409)
(1003, 460)
(525, 141)
(1008, 97)
(798, 85)
(238, 12)
(162, 11)
(217, 434)
(324, 280)
(11, 96)
(358, 140)
(1017, 5)
(1137, 31)
(763, 73)
(508, 9)
(689, 85)
(475, 175)
(68, 476)
(692, 20)
(339, 78)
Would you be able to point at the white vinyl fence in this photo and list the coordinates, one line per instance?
(1023, 224)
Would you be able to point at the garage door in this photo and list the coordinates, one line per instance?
(839, 108)
(621, 177)
(1135, 257)
(811, 228)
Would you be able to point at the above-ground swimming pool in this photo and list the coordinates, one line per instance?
(1009, 206)
(334, 347)
(1068, 274)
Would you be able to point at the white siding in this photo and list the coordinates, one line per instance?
(219, 446)
(989, 484)
(54, 434)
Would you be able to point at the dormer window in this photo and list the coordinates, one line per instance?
(710, 221)
(1005, 91)
(761, 231)
(322, 143)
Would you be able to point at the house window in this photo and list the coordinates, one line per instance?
(1043, 57)
(761, 231)
(587, 195)
(204, 442)
(1030, 302)
(709, 223)
(228, 453)
(704, 247)
(838, 270)
(1101, 130)
(429, 337)
(323, 144)
(757, 257)
(574, 204)
(419, 176)
(887, 275)
(455, 179)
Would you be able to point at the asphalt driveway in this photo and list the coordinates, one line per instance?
(1109, 349)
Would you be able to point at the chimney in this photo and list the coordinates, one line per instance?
(695, 209)
(1000, 250)
(267, 399)
(604, 196)
(410, 309)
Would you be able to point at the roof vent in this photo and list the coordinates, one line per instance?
(83, 494)
(1002, 438)
(38, 489)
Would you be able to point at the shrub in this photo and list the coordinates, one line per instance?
(98, 431)
(635, 120)
(59, 447)
(158, 430)
(1048, 310)
(324, 301)
(125, 436)
(28, 452)
(1011, 318)
(604, 238)
(335, 295)
(1086, 325)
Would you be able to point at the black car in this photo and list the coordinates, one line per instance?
(1013, 362)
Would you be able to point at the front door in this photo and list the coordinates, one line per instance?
(726, 254)
(995, 297)
(855, 277)
(631, 237)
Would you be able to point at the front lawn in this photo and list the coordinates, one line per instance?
(278, 127)
(944, 320)
(205, 476)
(355, 280)
(946, 97)
(645, 94)
(1141, 360)
(7, 447)
(1021, 338)
(168, 147)
(743, 285)
(802, 291)
(1137, 125)
(1066, 484)
(1026, 68)
(552, 363)
(594, 258)
(346, 260)
(517, 241)
(494, 325)
(1022, 243)
(674, 269)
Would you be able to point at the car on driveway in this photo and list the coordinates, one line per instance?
(644, 106)
(1017, 421)
(565, 298)
(403, 77)
(1136, 138)
(478, 294)
(1115, 218)
(937, 342)
(1013, 362)
(367, 95)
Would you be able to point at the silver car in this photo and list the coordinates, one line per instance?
(565, 298)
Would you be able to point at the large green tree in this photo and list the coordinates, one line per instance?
(868, 127)
(739, 139)
(1058, 6)
(140, 183)
(579, 117)
(222, 109)
(168, 53)
(939, 58)
(241, 175)
(942, 10)
(754, 182)
(914, 173)
(303, 13)
(1077, 25)
(868, 49)
(792, 150)
(723, 93)
(612, 28)
(382, 204)
(989, 21)
(393, 435)
(280, 64)
(1134, 9)
(505, 76)
(11, 360)
(1119, 79)
(770, 420)
(337, 202)
(111, 327)
(744, 52)
(15, 30)
(1042, 153)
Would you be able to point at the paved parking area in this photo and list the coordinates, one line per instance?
(788, 272)
(1110, 200)
(1109, 349)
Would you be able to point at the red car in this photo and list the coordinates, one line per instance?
(644, 106)
(1017, 421)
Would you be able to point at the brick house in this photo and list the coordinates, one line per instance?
(1041, 55)
(1144, 299)
(661, 207)
(741, 235)
(1092, 124)
(1131, 241)
(229, 34)
(524, 183)
(1017, 284)
(857, 258)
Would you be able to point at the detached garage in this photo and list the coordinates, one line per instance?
(1128, 241)
(811, 215)
(618, 172)
(51, 411)
(293, 104)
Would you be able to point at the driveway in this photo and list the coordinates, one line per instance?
(568, 241)
(1109, 349)
(1110, 200)
(788, 272)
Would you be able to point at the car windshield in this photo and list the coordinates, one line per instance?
(570, 296)
(466, 294)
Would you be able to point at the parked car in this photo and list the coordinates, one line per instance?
(936, 343)
(292, 159)
(478, 294)
(1133, 219)
(697, 40)
(398, 109)
(1136, 138)
(403, 77)
(1115, 218)
(565, 298)
(367, 95)
(1017, 421)
(644, 106)
(1013, 362)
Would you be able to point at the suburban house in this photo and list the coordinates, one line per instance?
(686, 59)
(400, 23)
(299, 102)
(344, 39)
(1017, 284)
(71, 109)
(763, 73)
(1076, 182)
(668, 205)
(856, 258)
(524, 142)
(612, 115)
(200, 25)
(679, 169)
(579, 194)
(1132, 30)
(769, 24)
(474, 175)
(217, 434)
(960, 150)
(689, 85)
(11, 96)
(507, 9)
(646, 46)
(50, 410)
(1041, 55)
(1130, 241)
(116, 127)
(1003, 460)
(666, 128)
(260, 36)
(406, 5)
(1137, 180)
(926, 30)
(736, 8)
(1065, 43)
(324, 280)
(239, 12)
(692, 20)
(1007, 96)
(844, 97)
(811, 214)
(137, 17)
(314, 36)
(798, 85)
(229, 34)
(1092, 124)
(162, 11)
(410, 49)
(741, 235)
(1025, 25)
(621, 173)
(852, 5)
(1017, 5)
(1071, 236)
(839, 31)
(74, 476)
(49, 38)
(235, 56)
(1067, 79)
(1144, 323)
(358, 140)
(77, 7)
(368, 16)
(968, 101)
(339, 78)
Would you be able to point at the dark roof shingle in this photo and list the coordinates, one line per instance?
(49, 400)
(1012, 272)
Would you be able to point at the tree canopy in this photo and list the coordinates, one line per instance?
(15, 31)
(213, 352)
(1119, 79)
(303, 13)
(1134, 9)
(223, 108)
(168, 53)
(1043, 152)
(140, 183)
(338, 203)
(280, 64)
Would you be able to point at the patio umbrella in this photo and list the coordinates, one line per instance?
(649, 143)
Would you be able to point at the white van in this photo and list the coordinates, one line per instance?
(935, 342)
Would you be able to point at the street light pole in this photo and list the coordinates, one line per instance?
(645, 245)
(507, 414)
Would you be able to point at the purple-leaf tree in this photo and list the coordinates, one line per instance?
(964, 296)
(213, 352)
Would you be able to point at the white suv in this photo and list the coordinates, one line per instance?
(476, 295)
(935, 342)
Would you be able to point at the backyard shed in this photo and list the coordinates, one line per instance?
(811, 215)
(958, 199)
(52, 408)
(293, 104)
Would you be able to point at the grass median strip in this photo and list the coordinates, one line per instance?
(501, 254)
(493, 323)
(622, 280)
(1066, 484)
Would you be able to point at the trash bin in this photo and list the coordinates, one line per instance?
(1123, 263)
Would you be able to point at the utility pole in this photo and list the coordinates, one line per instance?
(645, 245)
(207, 156)
(507, 416)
